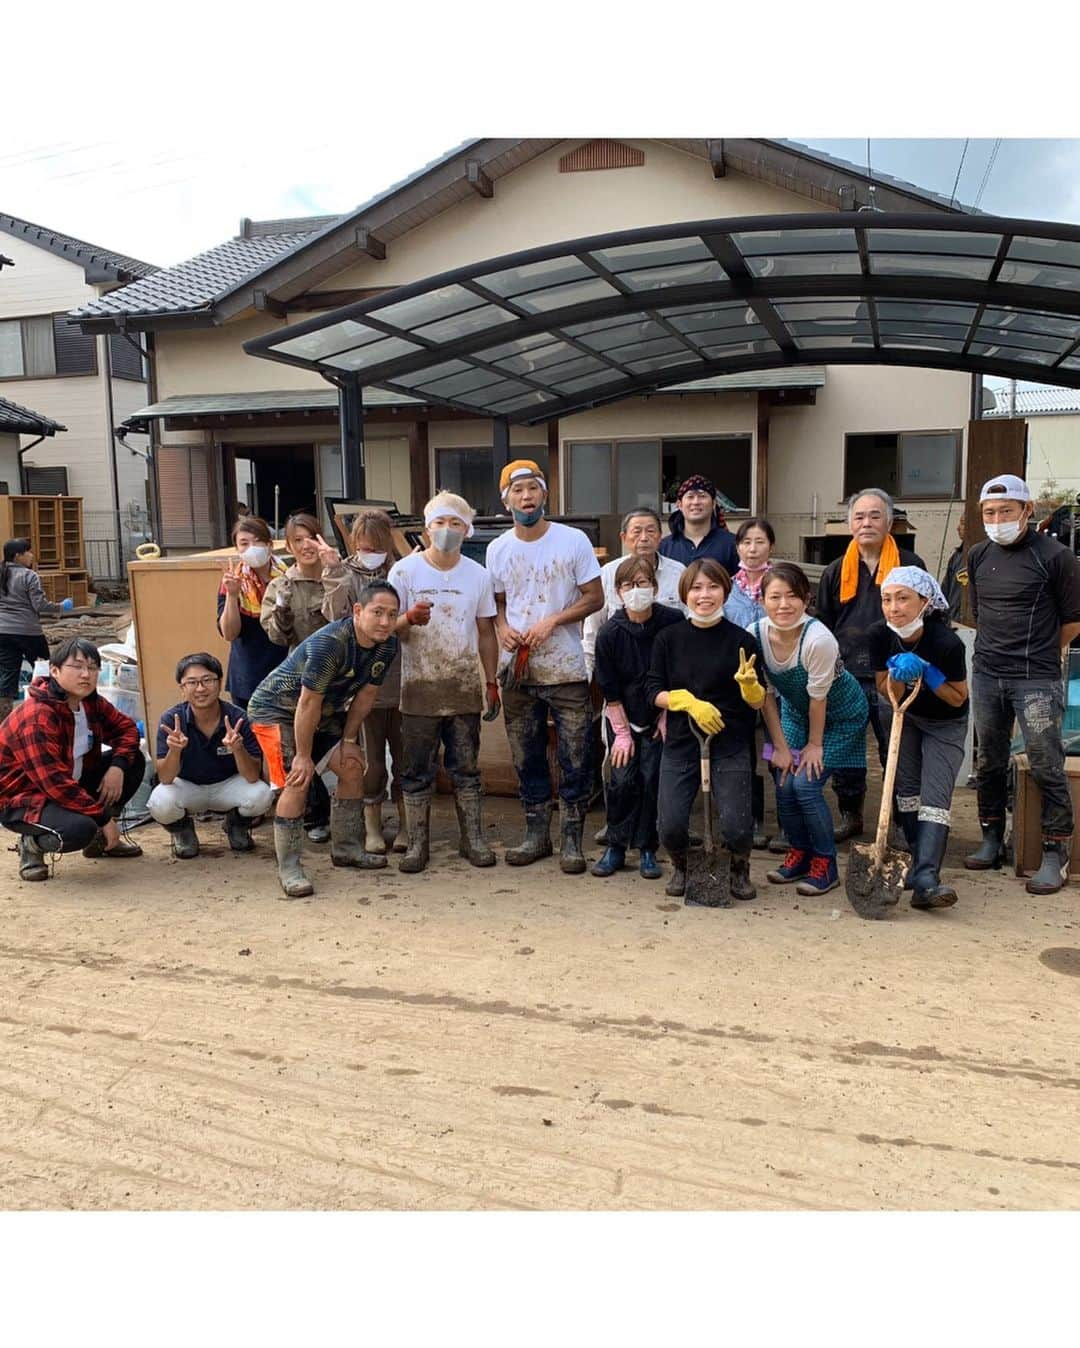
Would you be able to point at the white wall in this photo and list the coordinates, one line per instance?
(1054, 453)
(9, 463)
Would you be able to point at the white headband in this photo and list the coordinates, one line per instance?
(441, 512)
(517, 476)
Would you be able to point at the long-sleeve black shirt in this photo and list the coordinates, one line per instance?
(704, 661)
(623, 656)
(1021, 596)
(850, 623)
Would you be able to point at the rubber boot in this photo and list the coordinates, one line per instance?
(741, 886)
(346, 837)
(676, 886)
(373, 834)
(238, 831)
(6, 704)
(612, 861)
(32, 863)
(537, 841)
(183, 840)
(418, 819)
(929, 852)
(1053, 873)
(571, 829)
(851, 818)
(289, 847)
(990, 853)
(471, 842)
(648, 867)
(400, 841)
(908, 823)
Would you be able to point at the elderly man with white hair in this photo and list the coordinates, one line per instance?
(547, 582)
(849, 604)
(445, 644)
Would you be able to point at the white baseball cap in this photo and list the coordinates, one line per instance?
(1007, 487)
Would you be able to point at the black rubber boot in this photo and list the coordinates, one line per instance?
(32, 863)
(183, 838)
(851, 818)
(990, 853)
(741, 886)
(928, 891)
(537, 841)
(1053, 873)
(418, 821)
(238, 831)
(571, 829)
(676, 886)
(472, 844)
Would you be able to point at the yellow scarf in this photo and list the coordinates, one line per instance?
(849, 569)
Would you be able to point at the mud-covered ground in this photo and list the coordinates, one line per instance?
(175, 1036)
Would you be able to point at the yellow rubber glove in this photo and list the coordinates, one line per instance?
(750, 690)
(704, 713)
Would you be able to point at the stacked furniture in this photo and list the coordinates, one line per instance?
(54, 526)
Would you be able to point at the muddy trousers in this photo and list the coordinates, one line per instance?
(382, 729)
(73, 831)
(680, 782)
(632, 793)
(1039, 707)
(931, 755)
(421, 737)
(526, 710)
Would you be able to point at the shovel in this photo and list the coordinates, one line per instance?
(875, 871)
(708, 873)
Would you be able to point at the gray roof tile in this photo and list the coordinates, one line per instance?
(14, 418)
(85, 254)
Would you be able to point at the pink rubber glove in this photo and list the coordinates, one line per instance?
(623, 748)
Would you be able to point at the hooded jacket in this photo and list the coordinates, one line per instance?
(343, 584)
(623, 658)
(718, 543)
(37, 744)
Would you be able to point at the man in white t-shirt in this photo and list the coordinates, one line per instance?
(447, 634)
(547, 581)
(640, 536)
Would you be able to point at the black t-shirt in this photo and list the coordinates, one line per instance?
(252, 655)
(704, 660)
(206, 760)
(1021, 596)
(850, 622)
(623, 657)
(939, 645)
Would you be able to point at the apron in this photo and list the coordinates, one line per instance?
(846, 712)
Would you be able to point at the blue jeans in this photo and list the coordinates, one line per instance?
(526, 711)
(1039, 706)
(804, 813)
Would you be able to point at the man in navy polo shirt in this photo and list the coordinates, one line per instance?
(698, 527)
(207, 759)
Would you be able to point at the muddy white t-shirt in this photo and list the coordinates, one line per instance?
(440, 664)
(539, 579)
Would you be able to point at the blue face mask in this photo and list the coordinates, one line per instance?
(527, 517)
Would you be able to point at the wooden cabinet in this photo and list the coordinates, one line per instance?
(54, 526)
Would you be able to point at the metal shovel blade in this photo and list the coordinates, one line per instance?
(872, 886)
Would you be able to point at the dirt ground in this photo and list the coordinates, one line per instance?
(175, 1037)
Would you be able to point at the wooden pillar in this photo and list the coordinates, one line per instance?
(553, 467)
(351, 416)
(500, 447)
(419, 467)
(761, 476)
(994, 446)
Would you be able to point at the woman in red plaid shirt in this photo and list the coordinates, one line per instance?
(58, 790)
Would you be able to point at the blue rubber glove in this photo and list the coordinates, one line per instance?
(67, 605)
(933, 677)
(906, 667)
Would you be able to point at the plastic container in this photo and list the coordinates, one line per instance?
(124, 701)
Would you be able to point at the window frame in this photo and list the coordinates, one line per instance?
(900, 495)
(613, 442)
(56, 374)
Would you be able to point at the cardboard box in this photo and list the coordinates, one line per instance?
(1026, 822)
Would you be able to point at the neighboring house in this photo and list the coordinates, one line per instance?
(1053, 448)
(15, 423)
(91, 384)
(229, 429)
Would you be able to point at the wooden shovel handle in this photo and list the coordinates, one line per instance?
(897, 729)
(704, 741)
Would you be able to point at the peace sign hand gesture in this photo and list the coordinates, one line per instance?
(231, 579)
(328, 554)
(175, 737)
(232, 739)
(750, 690)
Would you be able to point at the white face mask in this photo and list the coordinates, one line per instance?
(256, 556)
(706, 619)
(372, 560)
(638, 599)
(908, 629)
(1005, 533)
(448, 540)
(786, 627)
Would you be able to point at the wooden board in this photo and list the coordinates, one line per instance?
(1027, 824)
(994, 446)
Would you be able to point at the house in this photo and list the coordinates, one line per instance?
(231, 432)
(1053, 446)
(15, 423)
(89, 384)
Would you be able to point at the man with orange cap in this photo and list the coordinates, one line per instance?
(547, 581)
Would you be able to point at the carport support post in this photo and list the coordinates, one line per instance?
(351, 417)
(500, 447)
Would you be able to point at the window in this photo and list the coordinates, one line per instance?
(910, 465)
(470, 473)
(724, 459)
(43, 346)
(125, 357)
(45, 481)
(611, 477)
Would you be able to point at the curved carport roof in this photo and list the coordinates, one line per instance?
(538, 334)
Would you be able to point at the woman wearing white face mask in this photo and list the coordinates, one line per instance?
(252, 655)
(624, 646)
(916, 642)
(373, 554)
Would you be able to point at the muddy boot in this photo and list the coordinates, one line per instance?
(183, 839)
(400, 841)
(537, 840)
(373, 834)
(346, 832)
(1053, 873)
(990, 853)
(471, 843)
(32, 863)
(238, 831)
(6, 704)
(571, 829)
(417, 813)
(851, 818)
(676, 886)
(929, 852)
(741, 886)
(289, 847)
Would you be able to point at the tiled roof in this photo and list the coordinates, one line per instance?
(76, 250)
(14, 418)
(1036, 401)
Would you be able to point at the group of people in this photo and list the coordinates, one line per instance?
(698, 644)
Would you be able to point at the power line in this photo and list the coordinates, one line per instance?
(986, 174)
(956, 182)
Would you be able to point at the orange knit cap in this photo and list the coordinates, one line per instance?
(514, 472)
